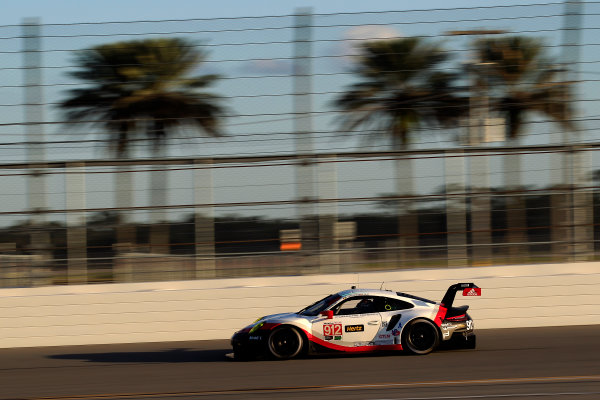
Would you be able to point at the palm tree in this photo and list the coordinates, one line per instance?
(143, 81)
(402, 88)
(522, 83)
(143, 85)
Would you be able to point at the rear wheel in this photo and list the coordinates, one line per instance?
(285, 342)
(421, 337)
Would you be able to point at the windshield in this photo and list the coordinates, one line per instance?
(316, 308)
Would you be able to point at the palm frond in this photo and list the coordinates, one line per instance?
(145, 80)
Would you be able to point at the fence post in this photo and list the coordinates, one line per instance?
(305, 170)
(76, 223)
(517, 248)
(456, 215)
(481, 215)
(159, 228)
(407, 253)
(40, 242)
(328, 241)
(204, 221)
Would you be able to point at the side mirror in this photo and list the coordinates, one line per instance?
(328, 314)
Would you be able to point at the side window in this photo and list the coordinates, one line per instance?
(388, 304)
(356, 305)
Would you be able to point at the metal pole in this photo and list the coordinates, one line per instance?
(577, 164)
(456, 212)
(204, 222)
(305, 171)
(328, 214)
(481, 215)
(76, 223)
(479, 179)
(34, 116)
(407, 253)
(159, 228)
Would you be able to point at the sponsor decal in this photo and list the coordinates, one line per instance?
(328, 337)
(332, 329)
(254, 337)
(472, 292)
(446, 334)
(454, 326)
(384, 324)
(355, 328)
(337, 338)
(395, 332)
(384, 336)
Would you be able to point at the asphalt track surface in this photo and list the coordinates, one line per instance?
(534, 363)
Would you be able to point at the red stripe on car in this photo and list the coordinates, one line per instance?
(354, 349)
(457, 317)
(441, 314)
(268, 326)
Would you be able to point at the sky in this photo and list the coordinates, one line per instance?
(75, 11)
(251, 99)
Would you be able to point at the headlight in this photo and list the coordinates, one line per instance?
(256, 327)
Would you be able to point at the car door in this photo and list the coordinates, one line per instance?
(355, 323)
(394, 313)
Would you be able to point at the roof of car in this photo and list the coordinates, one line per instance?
(374, 292)
(380, 292)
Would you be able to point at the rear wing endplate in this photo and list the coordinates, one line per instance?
(468, 289)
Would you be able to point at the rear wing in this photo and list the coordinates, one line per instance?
(468, 289)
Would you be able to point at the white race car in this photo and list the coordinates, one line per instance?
(361, 320)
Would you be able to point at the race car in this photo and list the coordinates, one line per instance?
(361, 320)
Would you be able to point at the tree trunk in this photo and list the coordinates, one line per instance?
(407, 253)
(517, 247)
(456, 215)
(159, 229)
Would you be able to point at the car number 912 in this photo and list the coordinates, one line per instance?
(332, 329)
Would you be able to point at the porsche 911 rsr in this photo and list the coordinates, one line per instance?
(361, 320)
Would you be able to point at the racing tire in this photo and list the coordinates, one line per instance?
(420, 337)
(284, 343)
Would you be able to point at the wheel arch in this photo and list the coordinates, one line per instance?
(300, 330)
(418, 317)
(403, 333)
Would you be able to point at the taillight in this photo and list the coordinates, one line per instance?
(461, 317)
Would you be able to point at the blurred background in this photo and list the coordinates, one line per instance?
(298, 143)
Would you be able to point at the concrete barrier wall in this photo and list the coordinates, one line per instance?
(515, 296)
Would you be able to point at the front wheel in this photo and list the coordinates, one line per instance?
(421, 337)
(285, 342)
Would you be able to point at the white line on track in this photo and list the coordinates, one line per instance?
(471, 382)
(555, 379)
(495, 396)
